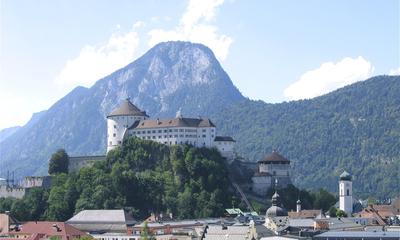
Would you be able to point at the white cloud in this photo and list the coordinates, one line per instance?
(196, 26)
(328, 77)
(95, 62)
(394, 71)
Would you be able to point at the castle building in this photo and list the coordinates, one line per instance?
(128, 120)
(119, 120)
(272, 167)
(345, 193)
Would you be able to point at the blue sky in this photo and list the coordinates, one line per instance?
(273, 50)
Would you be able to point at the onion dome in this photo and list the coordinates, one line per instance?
(127, 109)
(275, 210)
(345, 176)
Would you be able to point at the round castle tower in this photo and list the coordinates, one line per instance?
(119, 120)
(346, 193)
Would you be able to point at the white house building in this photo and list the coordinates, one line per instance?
(346, 193)
(128, 120)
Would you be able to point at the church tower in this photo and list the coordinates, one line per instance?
(119, 120)
(346, 193)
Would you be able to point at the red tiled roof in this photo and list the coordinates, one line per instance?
(63, 230)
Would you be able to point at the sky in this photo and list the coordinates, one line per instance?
(273, 50)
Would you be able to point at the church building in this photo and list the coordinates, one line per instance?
(128, 120)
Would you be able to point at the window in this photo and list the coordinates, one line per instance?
(212, 130)
(170, 130)
(148, 131)
(180, 130)
(154, 137)
(115, 126)
(154, 131)
(165, 130)
(175, 130)
(348, 192)
(204, 136)
(110, 143)
(204, 130)
(175, 136)
(159, 136)
(119, 142)
(114, 134)
(159, 131)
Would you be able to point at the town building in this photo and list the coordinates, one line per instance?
(128, 120)
(276, 217)
(346, 193)
(102, 221)
(273, 167)
(39, 230)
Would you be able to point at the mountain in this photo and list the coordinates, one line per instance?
(356, 128)
(6, 132)
(171, 76)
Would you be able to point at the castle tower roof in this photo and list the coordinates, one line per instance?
(127, 108)
(274, 157)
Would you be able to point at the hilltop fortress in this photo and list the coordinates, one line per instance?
(128, 120)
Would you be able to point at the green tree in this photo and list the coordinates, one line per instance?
(145, 233)
(332, 211)
(341, 213)
(59, 162)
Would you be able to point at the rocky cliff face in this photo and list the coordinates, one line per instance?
(171, 76)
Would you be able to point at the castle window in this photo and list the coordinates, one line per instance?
(115, 126)
(204, 130)
(204, 136)
(348, 192)
(170, 130)
(212, 130)
(175, 136)
(212, 135)
(180, 130)
(175, 130)
(114, 134)
(154, 131)
(181, 135)
(154, 137)
(148, 131)
(159, 131)
(165, 130)
(159, 136)
(165, 136)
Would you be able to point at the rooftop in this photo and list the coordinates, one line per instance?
(172, 122)
(274, 157)
(127, 108)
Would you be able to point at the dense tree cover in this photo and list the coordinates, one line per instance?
(356, 128)
(320, 199)
(59, 162)
(142, 177)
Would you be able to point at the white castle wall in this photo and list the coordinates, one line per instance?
(17, 192)
(116, 127)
